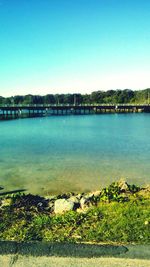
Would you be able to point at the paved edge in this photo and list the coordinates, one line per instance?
(61, 249)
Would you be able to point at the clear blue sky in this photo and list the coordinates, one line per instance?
(73, 45)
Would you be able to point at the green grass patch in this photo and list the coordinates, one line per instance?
(115, 216)
(127, 222)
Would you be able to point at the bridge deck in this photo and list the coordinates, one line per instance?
(20, 111)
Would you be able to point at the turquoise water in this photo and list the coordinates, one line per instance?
(74, 153)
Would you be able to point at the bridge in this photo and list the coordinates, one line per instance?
(27, 111)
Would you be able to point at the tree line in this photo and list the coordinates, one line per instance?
(96, 97)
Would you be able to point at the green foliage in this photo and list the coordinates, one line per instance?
(117, 217)
(97, 97)
(133, 188)
(112, 193)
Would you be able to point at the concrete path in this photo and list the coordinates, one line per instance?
(136, 256)
(28, 261)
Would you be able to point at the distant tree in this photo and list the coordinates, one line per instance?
(125, 96)
(18, 99)
(37, 99)
(86, 99)
(68, 99)
(77, 99)
(28, 99)
(49, 99)
(96, 97)
(8, 101)
(59, 98)
(2, 100)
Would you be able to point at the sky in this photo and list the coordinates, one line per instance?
(71, 46)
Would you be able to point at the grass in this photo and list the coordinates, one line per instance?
(113, 218)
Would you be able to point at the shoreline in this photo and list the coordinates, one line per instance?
(119, 213)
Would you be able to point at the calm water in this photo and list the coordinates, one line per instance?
(74, 153)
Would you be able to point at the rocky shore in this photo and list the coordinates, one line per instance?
(119, 191)
(83, 216)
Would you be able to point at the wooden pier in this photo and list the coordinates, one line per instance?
(27, 111)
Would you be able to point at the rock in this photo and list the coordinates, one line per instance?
(79, 196)
(74, 199)
(85, 202)
(76, 202)
(51, 198)
(65, 196)
(88, 199)
(82, 202)
(88, 195)
(93, 194)
(122, 184)
(50, 207)
(96, 193)
(63, 205)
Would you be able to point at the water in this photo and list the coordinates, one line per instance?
(74, 153)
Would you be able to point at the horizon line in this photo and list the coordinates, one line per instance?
(71, 93)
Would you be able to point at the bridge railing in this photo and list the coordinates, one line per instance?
(71, 105)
